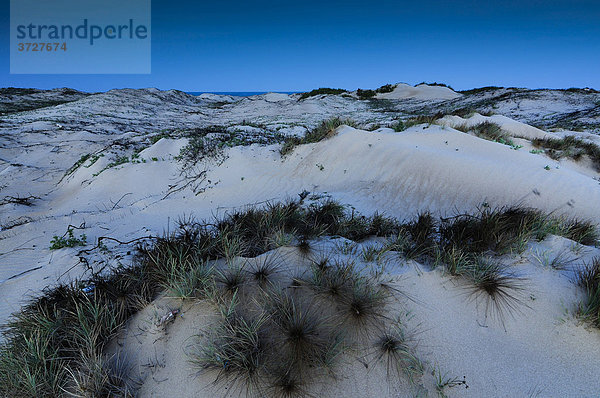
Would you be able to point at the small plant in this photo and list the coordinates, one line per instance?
(320, 166)
(546, 167)
(67, 240)
(302, 331)
(77, 164)
(231, 279)
(236, 350)
(443, 381)
(392, 346)
(372, 253)
(588, 278)
(363, 304)
(500, 288)
(93, 159)
(263, 270)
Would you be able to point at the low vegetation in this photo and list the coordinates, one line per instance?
(588, 277)
(321, 91)
(570, 147)
(54, 346)
(386, 88)
(325, 129)
(467, 112)
(436, 84)
(67, 240)
(402, 125)
(480, 90)
(491, 132)
(365, 94)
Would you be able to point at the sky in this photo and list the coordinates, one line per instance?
(297, 46)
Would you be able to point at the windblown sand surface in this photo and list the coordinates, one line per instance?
(541, 351)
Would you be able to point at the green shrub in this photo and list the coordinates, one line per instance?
(67, 240)
(322, 90)
(365, 94)
(387, 88)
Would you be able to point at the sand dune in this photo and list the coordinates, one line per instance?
(130, 186)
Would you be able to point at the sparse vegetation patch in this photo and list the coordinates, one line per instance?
(569, 147)
(321, 91)
(324, 130)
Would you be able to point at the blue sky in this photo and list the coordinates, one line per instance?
(295, 46)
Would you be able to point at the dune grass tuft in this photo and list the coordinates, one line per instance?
(499, 288)
(392, 347)
(326, 129)
(236, 350)
(588, 277)
(569, 147)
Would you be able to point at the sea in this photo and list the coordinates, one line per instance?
(240, 93)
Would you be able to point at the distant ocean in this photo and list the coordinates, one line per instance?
(240, 93)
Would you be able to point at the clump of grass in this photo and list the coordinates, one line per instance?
(436, 84)
(499, 288)
(194, 281)
(321, 91)
(77, 164)
(392, 346)
(386, 88)
(265, 269)
(492, 132)
(363, 305)
(284, 382)
(467, 112)
(496, 230)
(360, 301)
(365, 94)
(236, 350)
(301, 332)
(67, 240)
(581, 231)
(210, 142)
(231, 279)
(570, 147)
(402, 125)
(588, 277)
(329, 281)
(55, 344)
(326, 129)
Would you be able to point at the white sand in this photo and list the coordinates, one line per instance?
(422, 92)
